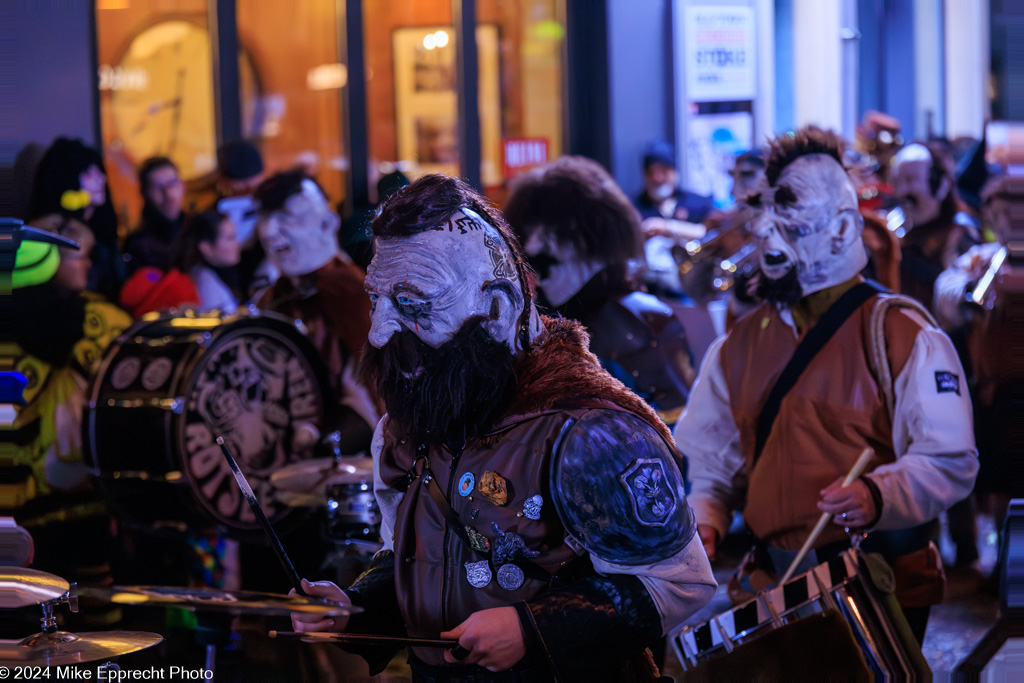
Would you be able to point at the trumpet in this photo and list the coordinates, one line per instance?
(740, 263)
(979, 294)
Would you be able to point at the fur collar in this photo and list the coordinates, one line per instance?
(561, 372)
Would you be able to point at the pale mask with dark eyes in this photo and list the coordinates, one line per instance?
(809, 221)
(302, 236)
(432, 282)
(561, 271)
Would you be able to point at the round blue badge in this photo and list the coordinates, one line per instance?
(466, 484)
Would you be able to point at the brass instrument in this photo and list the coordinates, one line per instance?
(742, 262)
(702, 263)
(896, 221)
(979, 295)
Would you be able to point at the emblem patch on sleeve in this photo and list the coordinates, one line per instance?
(653, 501)
(946, 382)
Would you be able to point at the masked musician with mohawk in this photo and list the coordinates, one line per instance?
(827, 366)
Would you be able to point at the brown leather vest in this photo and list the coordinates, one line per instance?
(430, 573)
(834, 411)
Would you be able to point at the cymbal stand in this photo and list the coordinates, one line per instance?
(48, 621)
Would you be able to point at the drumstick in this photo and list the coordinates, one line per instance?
(275, 542)
(329, 637)
(854, 472)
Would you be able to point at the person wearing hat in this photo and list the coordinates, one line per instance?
(150, 289)
(240, 171)
(59, 341)
(70, 180)
(662, 197)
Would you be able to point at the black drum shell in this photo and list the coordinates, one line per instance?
(142, 418)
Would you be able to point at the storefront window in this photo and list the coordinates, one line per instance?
(410, 48)
(299, 76)
(520, 45)
(156, 93)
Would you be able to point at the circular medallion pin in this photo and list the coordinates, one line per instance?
(478, 573)
(466, 484)
(510, 577)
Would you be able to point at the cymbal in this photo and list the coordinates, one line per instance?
(300, 500)
(25, 587)
(211, 600)
(314, 476)
(62, 648)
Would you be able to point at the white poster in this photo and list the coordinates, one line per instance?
(720, 58)
(713, 142)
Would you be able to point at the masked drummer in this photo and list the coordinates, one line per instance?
(532, 505)
(320, 286)
(886, 378)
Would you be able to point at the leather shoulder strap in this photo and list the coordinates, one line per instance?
(806, 350)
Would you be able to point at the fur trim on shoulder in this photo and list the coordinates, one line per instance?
(561, 372)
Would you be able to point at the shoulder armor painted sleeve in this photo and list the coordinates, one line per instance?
(618, 490)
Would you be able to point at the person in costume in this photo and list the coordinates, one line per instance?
(532, 505)
(59, 341)
(582, 236)
(70, 180)
(320, 286)
(884, 377)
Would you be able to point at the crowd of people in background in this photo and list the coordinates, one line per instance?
(934, 215)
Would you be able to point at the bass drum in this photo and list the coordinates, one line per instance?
(169, 386)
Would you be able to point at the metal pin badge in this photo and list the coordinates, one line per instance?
(466, 484)
(510, 577)
(509, 546)
(478, 573)
(532, 506)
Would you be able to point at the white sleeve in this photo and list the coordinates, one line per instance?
(708, 438)
(932, 432)
(387, 497)
(679, 585)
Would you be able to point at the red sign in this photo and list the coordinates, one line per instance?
(520, 155)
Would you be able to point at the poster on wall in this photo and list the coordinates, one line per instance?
(426, 118)
(713, 142)
(721, 64)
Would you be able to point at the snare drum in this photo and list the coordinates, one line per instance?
(832, 620)
(169, 386)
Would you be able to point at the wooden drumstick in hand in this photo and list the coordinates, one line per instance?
(851, 476)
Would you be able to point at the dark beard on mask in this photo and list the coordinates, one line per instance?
(459, 391)
(785, 291)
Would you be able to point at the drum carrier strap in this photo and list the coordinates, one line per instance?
(806, 350)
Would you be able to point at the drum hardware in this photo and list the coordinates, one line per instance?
(61, 648)
(175, 405)
(842, 586)
(25, 587)
(69, 598)
(317, 475)
(160, 398)
(173, 477)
